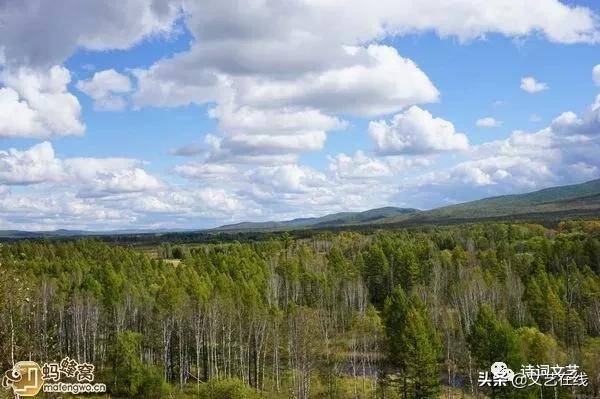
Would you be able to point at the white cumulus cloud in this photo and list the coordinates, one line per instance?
(35, 165)
(360, 166)
(488, 122)
(562, 153)
(106, 88)
(43, 33)
(531, 85)
(257, 58)
(278, 77)
(416, 131)
(377, 81)
(596, 75)
(91, 176)
(36, 104)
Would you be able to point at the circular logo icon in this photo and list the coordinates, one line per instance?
(25, 378)
(501, 371)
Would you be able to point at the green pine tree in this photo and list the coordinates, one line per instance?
(492, 340)
(422, 353)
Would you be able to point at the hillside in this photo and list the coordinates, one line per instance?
(332, 220)
(520, 203)
(553, 203)
(547, 205)
(550, 204)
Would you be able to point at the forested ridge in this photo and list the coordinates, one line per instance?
(413, 313)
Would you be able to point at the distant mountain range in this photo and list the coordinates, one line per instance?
(81, 233)
(550, 204)
(334, 219)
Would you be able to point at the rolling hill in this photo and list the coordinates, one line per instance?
(331, 220)
(547, 205)
(577, 200)
(550, 204)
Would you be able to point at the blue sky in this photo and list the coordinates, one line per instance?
(176, 114)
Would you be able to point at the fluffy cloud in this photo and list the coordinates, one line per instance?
(416, 131)
(288, 178)
(286, 189)
(107, 181)
(206, 170)
(358, 167)
(42, 33)
(261, 114)
(93, 176)
(41, 191)
(34, 40)
(36, 104)
(188, 150)
(519, 173)
(468, 20)
(250, 39)
(245, 56)
(278, 122)
(35, 165)
(264, 131)
(72, 192)
(596, 75)
(488, 122)
(278, 77)
(106, 88)
(179, 82)
(41, 209)
(570, 124)
(369, 85)
(564, 152)
(363, 167)
(530, 85)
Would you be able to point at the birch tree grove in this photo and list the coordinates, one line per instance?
(387, 314)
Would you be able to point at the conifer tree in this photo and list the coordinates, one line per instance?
(422, 352)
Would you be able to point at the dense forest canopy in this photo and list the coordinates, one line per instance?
(389, 314)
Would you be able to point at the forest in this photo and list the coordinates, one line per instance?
(408, 313)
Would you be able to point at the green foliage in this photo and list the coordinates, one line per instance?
(492, 340)
(129, 376)
(227, 389)
(376, 274)
(422, 354)
(153, 384)
(397, 311)
(591, 363)
(127, 368)
(413, 347)
(538, 348)
(396, 314)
